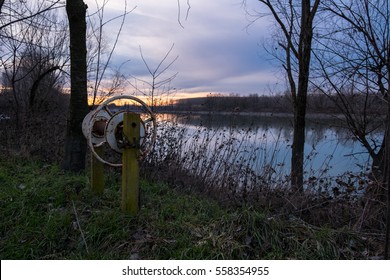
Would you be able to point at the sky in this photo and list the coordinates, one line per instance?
(218, 50)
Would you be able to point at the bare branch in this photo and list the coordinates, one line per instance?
(101, 67)
(157, 82)
(179, 12)
(50, 7)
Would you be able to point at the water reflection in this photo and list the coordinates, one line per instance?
(265, 141)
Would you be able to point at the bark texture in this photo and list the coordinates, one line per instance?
(75, 143)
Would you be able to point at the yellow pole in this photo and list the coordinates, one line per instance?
(130, 167)
(97, 172)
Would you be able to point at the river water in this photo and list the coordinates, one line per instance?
(264, 142)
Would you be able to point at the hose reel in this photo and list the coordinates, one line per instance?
(104, 125)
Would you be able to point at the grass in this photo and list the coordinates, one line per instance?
(48, 214)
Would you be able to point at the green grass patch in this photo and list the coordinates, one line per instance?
(48, 214)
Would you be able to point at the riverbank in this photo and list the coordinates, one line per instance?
(47, 214)
(330, 119)
(254, 114)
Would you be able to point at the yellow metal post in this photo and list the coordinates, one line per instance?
(97, 172)
(130, 167)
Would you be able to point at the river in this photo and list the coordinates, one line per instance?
(263, 143)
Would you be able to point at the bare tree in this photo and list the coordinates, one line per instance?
(158, 86)
(75, 145)
(32, 53)
(103, 79)
(294, 20)
(33, 64)
(355, 60)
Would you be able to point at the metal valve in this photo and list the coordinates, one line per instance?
(104, 125)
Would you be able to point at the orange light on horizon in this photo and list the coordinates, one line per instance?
(169, 99)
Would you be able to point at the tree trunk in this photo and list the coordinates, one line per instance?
(377, 166)
(75, 143)
(304, 53)
(36, 83)
(1, 5)
(297, 156)
(386, 179)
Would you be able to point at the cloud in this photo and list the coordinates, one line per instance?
(217, 52)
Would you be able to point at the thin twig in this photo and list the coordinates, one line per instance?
(179, 14)
(188, 8)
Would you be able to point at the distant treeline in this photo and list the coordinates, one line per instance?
(316, 103)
